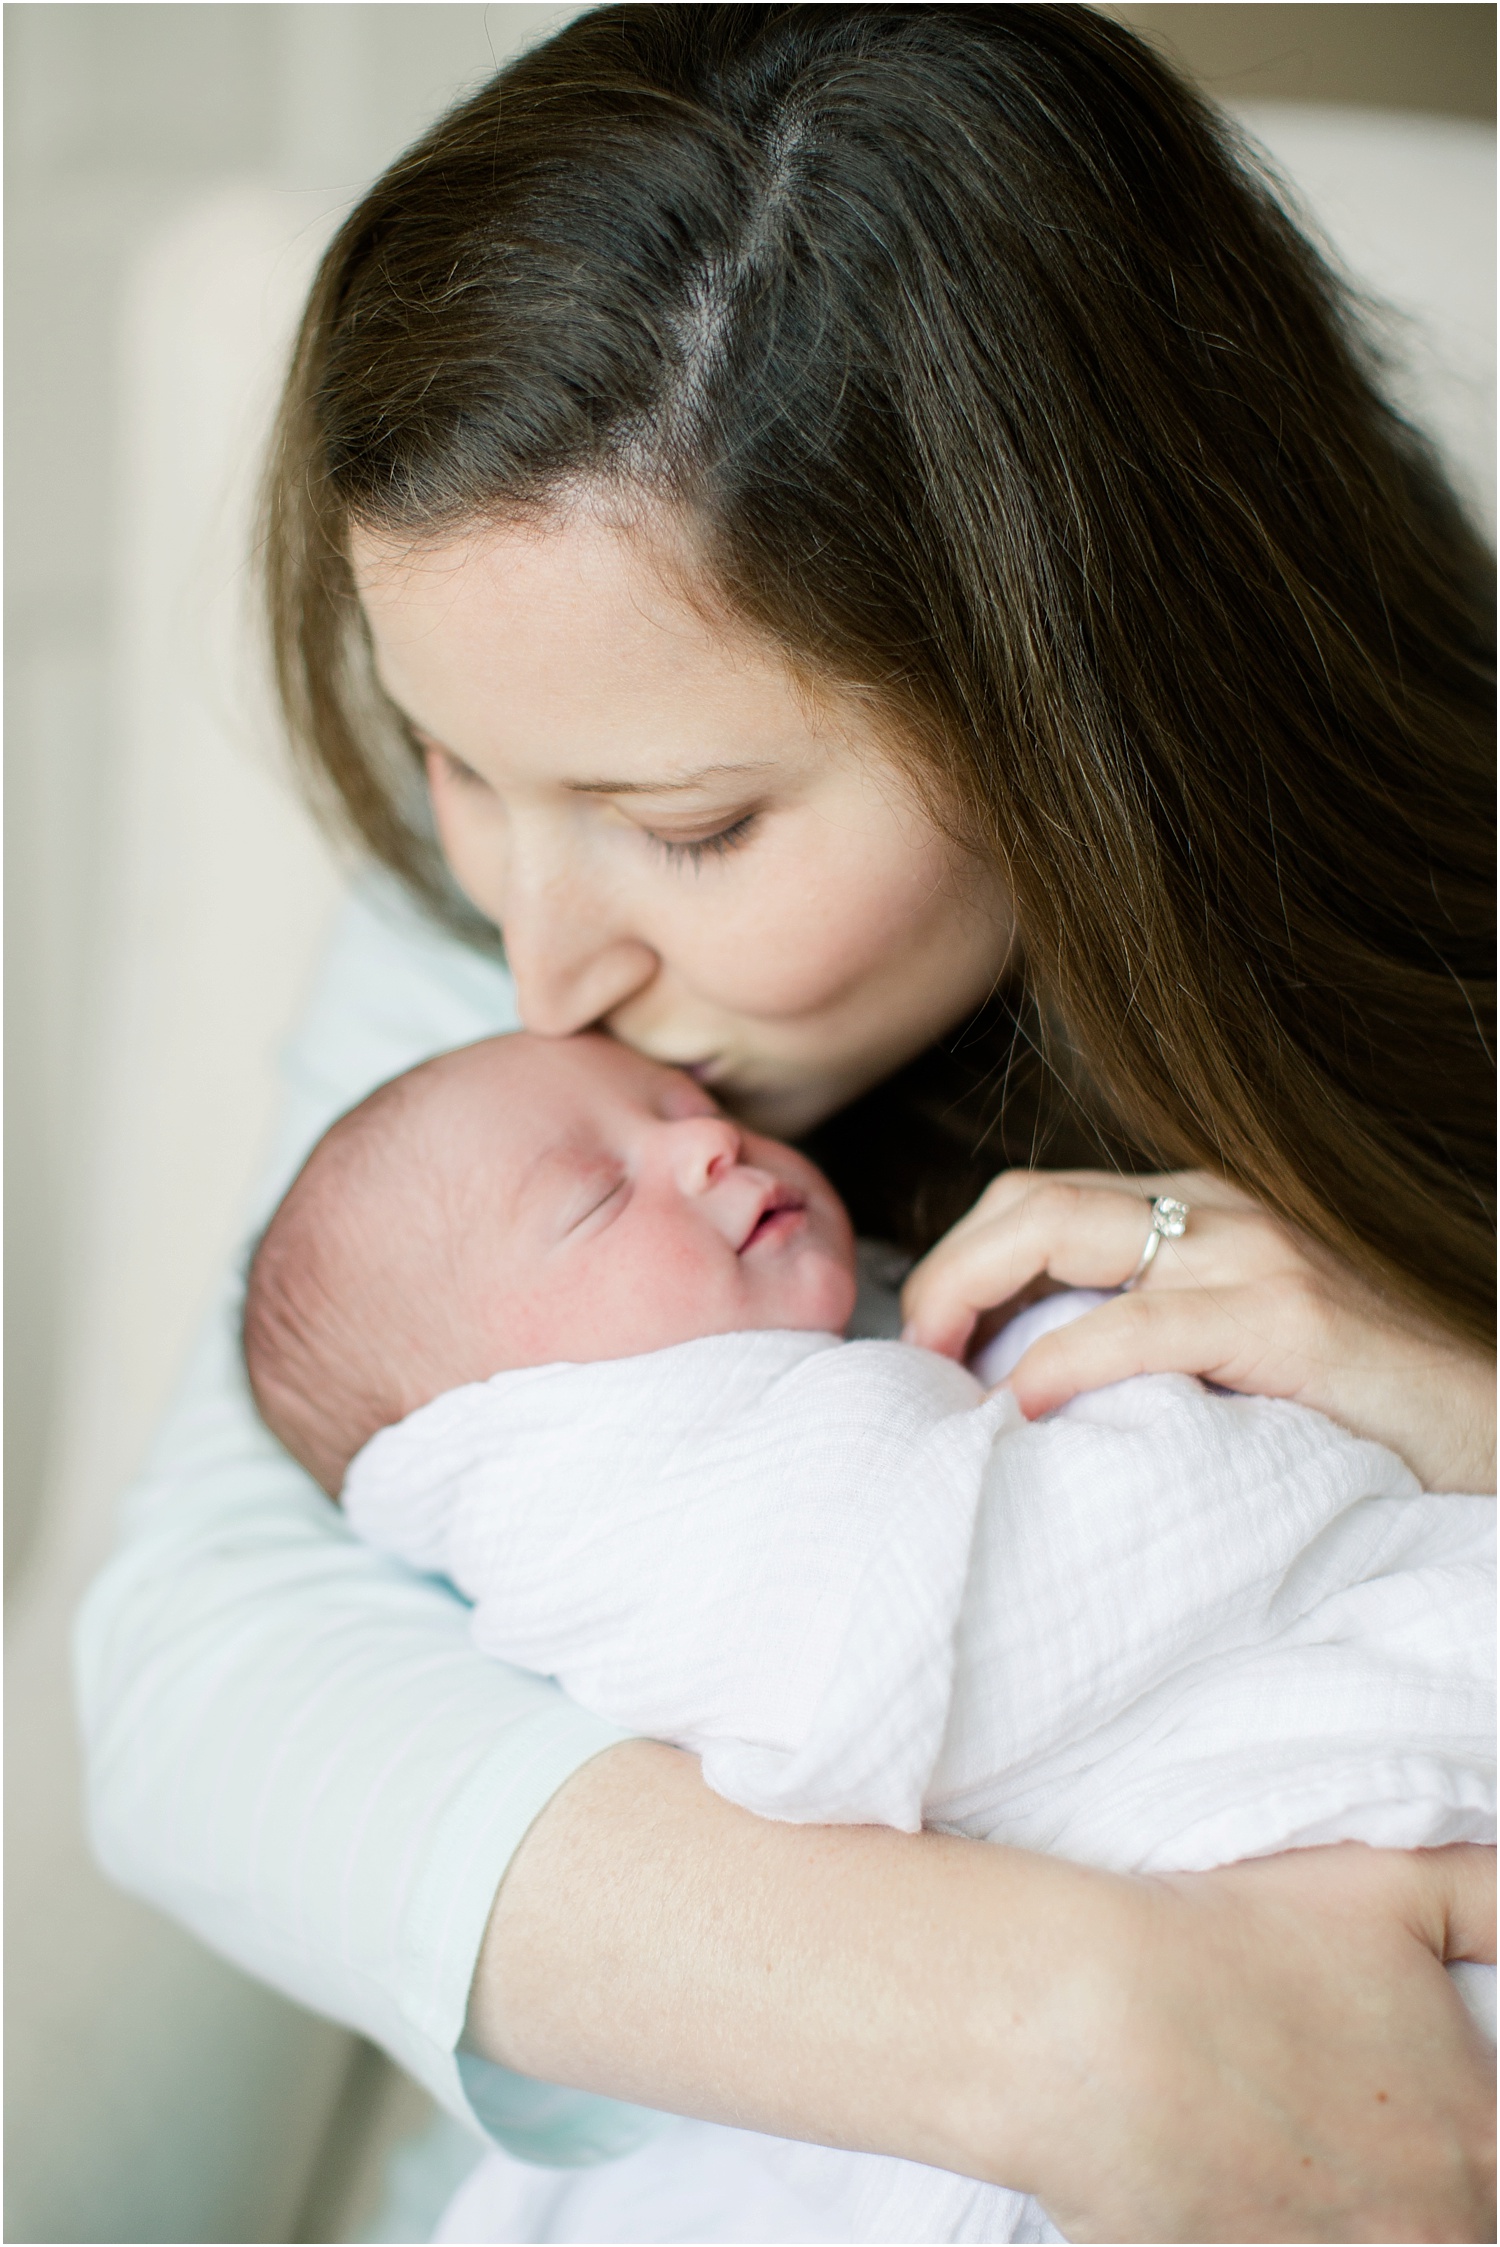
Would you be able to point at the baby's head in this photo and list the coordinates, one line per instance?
(516, 1203)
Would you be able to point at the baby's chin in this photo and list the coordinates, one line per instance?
(813, 1293)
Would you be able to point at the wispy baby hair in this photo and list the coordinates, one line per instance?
(353, 1299)
(319, 1301)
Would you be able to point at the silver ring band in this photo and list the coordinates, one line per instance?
(1169, 1221)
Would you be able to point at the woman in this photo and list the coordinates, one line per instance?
(877, 538)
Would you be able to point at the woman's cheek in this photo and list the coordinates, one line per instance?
(468, 835)
(798, 939)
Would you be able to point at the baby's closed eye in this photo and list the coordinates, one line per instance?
(600, 1198)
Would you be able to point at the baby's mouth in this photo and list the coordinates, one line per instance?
(780, 1213)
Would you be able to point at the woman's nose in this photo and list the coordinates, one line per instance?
(572, 960)
(700, 1149)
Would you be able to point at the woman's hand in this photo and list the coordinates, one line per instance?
(1267, 2052)
(1253, 2065)
(1239, 1299)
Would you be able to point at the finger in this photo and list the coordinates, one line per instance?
(1079, 1235)
(1229, 1335)
(1464, 1878)
(1005, 1196)
(1199, 1188)
(1000, 1199)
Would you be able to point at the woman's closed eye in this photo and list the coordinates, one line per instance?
(693, 850)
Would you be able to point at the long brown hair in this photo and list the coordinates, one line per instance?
(993, 380)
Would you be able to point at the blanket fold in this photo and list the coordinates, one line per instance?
(1161, 1629)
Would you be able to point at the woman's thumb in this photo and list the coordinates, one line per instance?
(1465, 1886)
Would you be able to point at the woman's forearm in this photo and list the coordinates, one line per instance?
(659, 1943)
(1270, 2052)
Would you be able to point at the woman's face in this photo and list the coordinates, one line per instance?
(679, 845)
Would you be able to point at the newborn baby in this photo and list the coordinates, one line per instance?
(566, 1335)
(519, 1203)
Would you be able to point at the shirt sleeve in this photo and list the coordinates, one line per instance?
(291, 1743)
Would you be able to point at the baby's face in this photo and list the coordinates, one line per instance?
(624, 1212)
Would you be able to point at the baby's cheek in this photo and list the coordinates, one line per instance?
(839, 1289)
(595, 1305)
(667, 1291)
(809, 1288)
(815, 1294)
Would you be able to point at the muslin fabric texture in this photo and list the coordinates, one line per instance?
(1160, 1628)
(1163, 1628)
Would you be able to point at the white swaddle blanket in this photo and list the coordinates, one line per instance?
(1162, 1628)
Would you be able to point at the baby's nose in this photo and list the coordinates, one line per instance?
(701, 1150)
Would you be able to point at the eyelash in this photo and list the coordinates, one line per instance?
(710, 846)
(680, 854)
(620, 1185)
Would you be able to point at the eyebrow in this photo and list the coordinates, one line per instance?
(604, 787)
(662, 787)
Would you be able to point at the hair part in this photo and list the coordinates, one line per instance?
(989, 378)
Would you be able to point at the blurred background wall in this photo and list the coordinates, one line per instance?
(144, 144)
(117, 117)
(1439, 59)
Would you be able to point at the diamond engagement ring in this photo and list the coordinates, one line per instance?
(1169, 1220)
